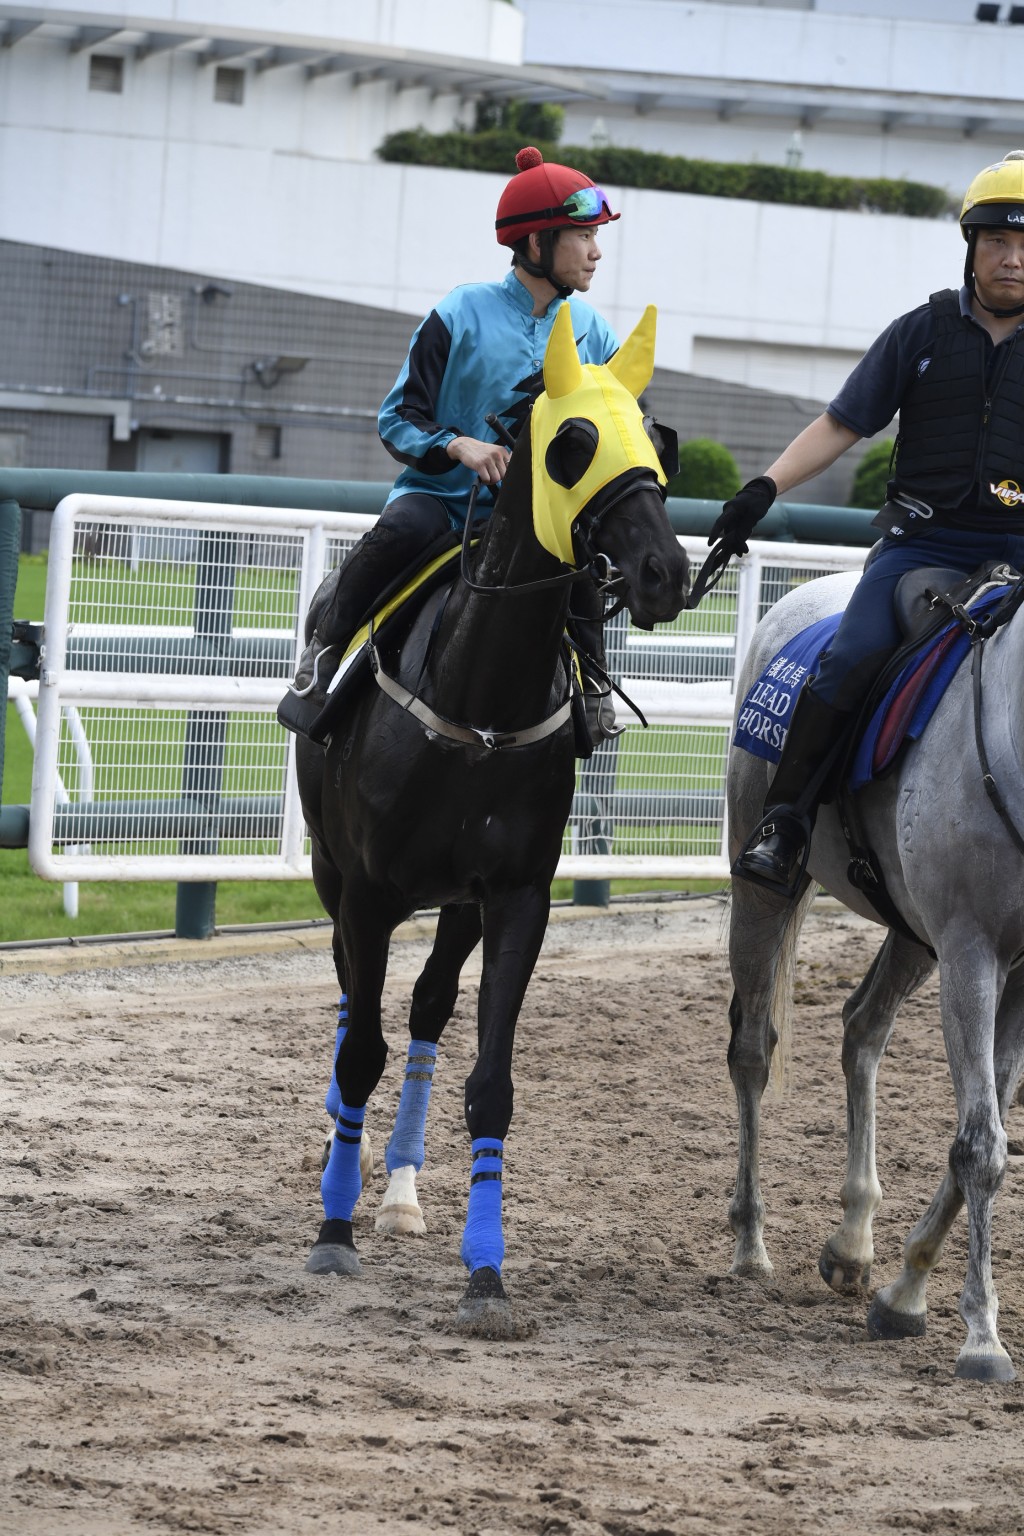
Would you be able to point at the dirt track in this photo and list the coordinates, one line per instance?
(166, 1364)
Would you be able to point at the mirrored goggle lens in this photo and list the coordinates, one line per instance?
(587, 203)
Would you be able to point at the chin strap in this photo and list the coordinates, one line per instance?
(1000, 314)
(545, 267)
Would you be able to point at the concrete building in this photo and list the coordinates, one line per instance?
(231, 147)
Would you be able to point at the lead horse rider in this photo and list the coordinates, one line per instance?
(479, 352)
(954, 370)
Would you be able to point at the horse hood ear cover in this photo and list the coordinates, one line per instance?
(605, 394)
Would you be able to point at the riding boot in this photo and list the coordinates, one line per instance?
(342, 605)
(586, 625)
(775, 855)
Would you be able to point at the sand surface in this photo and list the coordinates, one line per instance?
(166, 1365)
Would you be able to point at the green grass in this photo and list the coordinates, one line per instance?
(31, 908)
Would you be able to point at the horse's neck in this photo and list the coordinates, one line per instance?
(497, 652)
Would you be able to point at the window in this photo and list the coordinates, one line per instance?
(229, 85)
(267, 442)
(106, 73)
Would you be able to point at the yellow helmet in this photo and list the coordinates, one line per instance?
(996, 195)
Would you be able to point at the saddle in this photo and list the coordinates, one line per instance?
(942, 614)
(939, 610)
(386, 627)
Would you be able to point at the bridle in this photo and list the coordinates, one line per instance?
(594, 564)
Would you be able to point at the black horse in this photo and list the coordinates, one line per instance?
(451, 782)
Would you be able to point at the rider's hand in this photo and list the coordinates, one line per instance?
(488, 460)
(740, 515)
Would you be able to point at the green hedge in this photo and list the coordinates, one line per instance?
(872, 475)
(707, 471)
(495, 149)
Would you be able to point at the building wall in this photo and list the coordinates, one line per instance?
(185, 356)
(282, 192)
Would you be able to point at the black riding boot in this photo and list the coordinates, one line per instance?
(814, 749)
(587, 628)
(345, 601)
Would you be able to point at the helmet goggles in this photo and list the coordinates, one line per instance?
(584, 206)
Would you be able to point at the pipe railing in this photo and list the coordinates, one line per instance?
(44, 489)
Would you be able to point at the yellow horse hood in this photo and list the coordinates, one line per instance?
(603, 395)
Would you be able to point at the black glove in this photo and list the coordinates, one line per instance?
(740, 515)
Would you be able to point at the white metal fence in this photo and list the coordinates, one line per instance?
(172, 630)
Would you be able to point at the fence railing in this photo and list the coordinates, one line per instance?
(171, 632)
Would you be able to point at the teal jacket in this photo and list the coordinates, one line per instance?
(480, 351)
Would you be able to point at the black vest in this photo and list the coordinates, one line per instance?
(960, 431)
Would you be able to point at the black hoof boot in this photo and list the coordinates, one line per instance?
(334, 1252)
(484, 1311)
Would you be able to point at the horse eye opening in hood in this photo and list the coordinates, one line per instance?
(571, 451)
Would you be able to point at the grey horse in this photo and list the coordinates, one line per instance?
(957, 881)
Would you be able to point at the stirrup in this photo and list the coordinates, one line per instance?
(780, 819)
(314, 683)
(594, 701)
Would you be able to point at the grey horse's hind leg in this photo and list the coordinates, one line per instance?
(897, 971)
(762, 947)
(900, 1310)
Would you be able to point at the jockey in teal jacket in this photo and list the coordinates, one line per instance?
(481, 351)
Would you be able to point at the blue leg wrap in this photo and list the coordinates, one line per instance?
(406, 1144)
(332, 1103)
(342, 1183)
(483, 1243)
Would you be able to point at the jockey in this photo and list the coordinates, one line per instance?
(480, 351)
(954, 370)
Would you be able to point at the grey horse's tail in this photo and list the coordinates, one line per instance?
(781, 1009)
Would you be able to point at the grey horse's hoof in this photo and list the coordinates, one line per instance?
(886, 1323)
(484, 1311)
(988, 1367)
(334, 1252)
(841, 1274)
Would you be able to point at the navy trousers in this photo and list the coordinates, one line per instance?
(868, 632)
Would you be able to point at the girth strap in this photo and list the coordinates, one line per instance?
(991, 787)
(469, 735)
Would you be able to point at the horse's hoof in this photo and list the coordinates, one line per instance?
(995, 1365)
(484, 1311)
(400, 1213)
(365, 1157)
(752, 1263)
(843, 1275)
(400, 1221)
(886, 1323)
(334, 1252)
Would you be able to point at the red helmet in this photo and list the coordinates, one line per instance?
(548, 197)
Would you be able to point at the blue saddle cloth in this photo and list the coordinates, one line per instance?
(764, 719)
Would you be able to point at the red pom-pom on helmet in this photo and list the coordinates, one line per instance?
(535, 199)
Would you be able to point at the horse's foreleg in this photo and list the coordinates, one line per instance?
(900, 1310)
(513, 932)
(897, 971)
(358, 1068)
(433, 1003)
(762, 944)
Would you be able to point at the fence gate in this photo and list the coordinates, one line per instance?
(172, 629)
